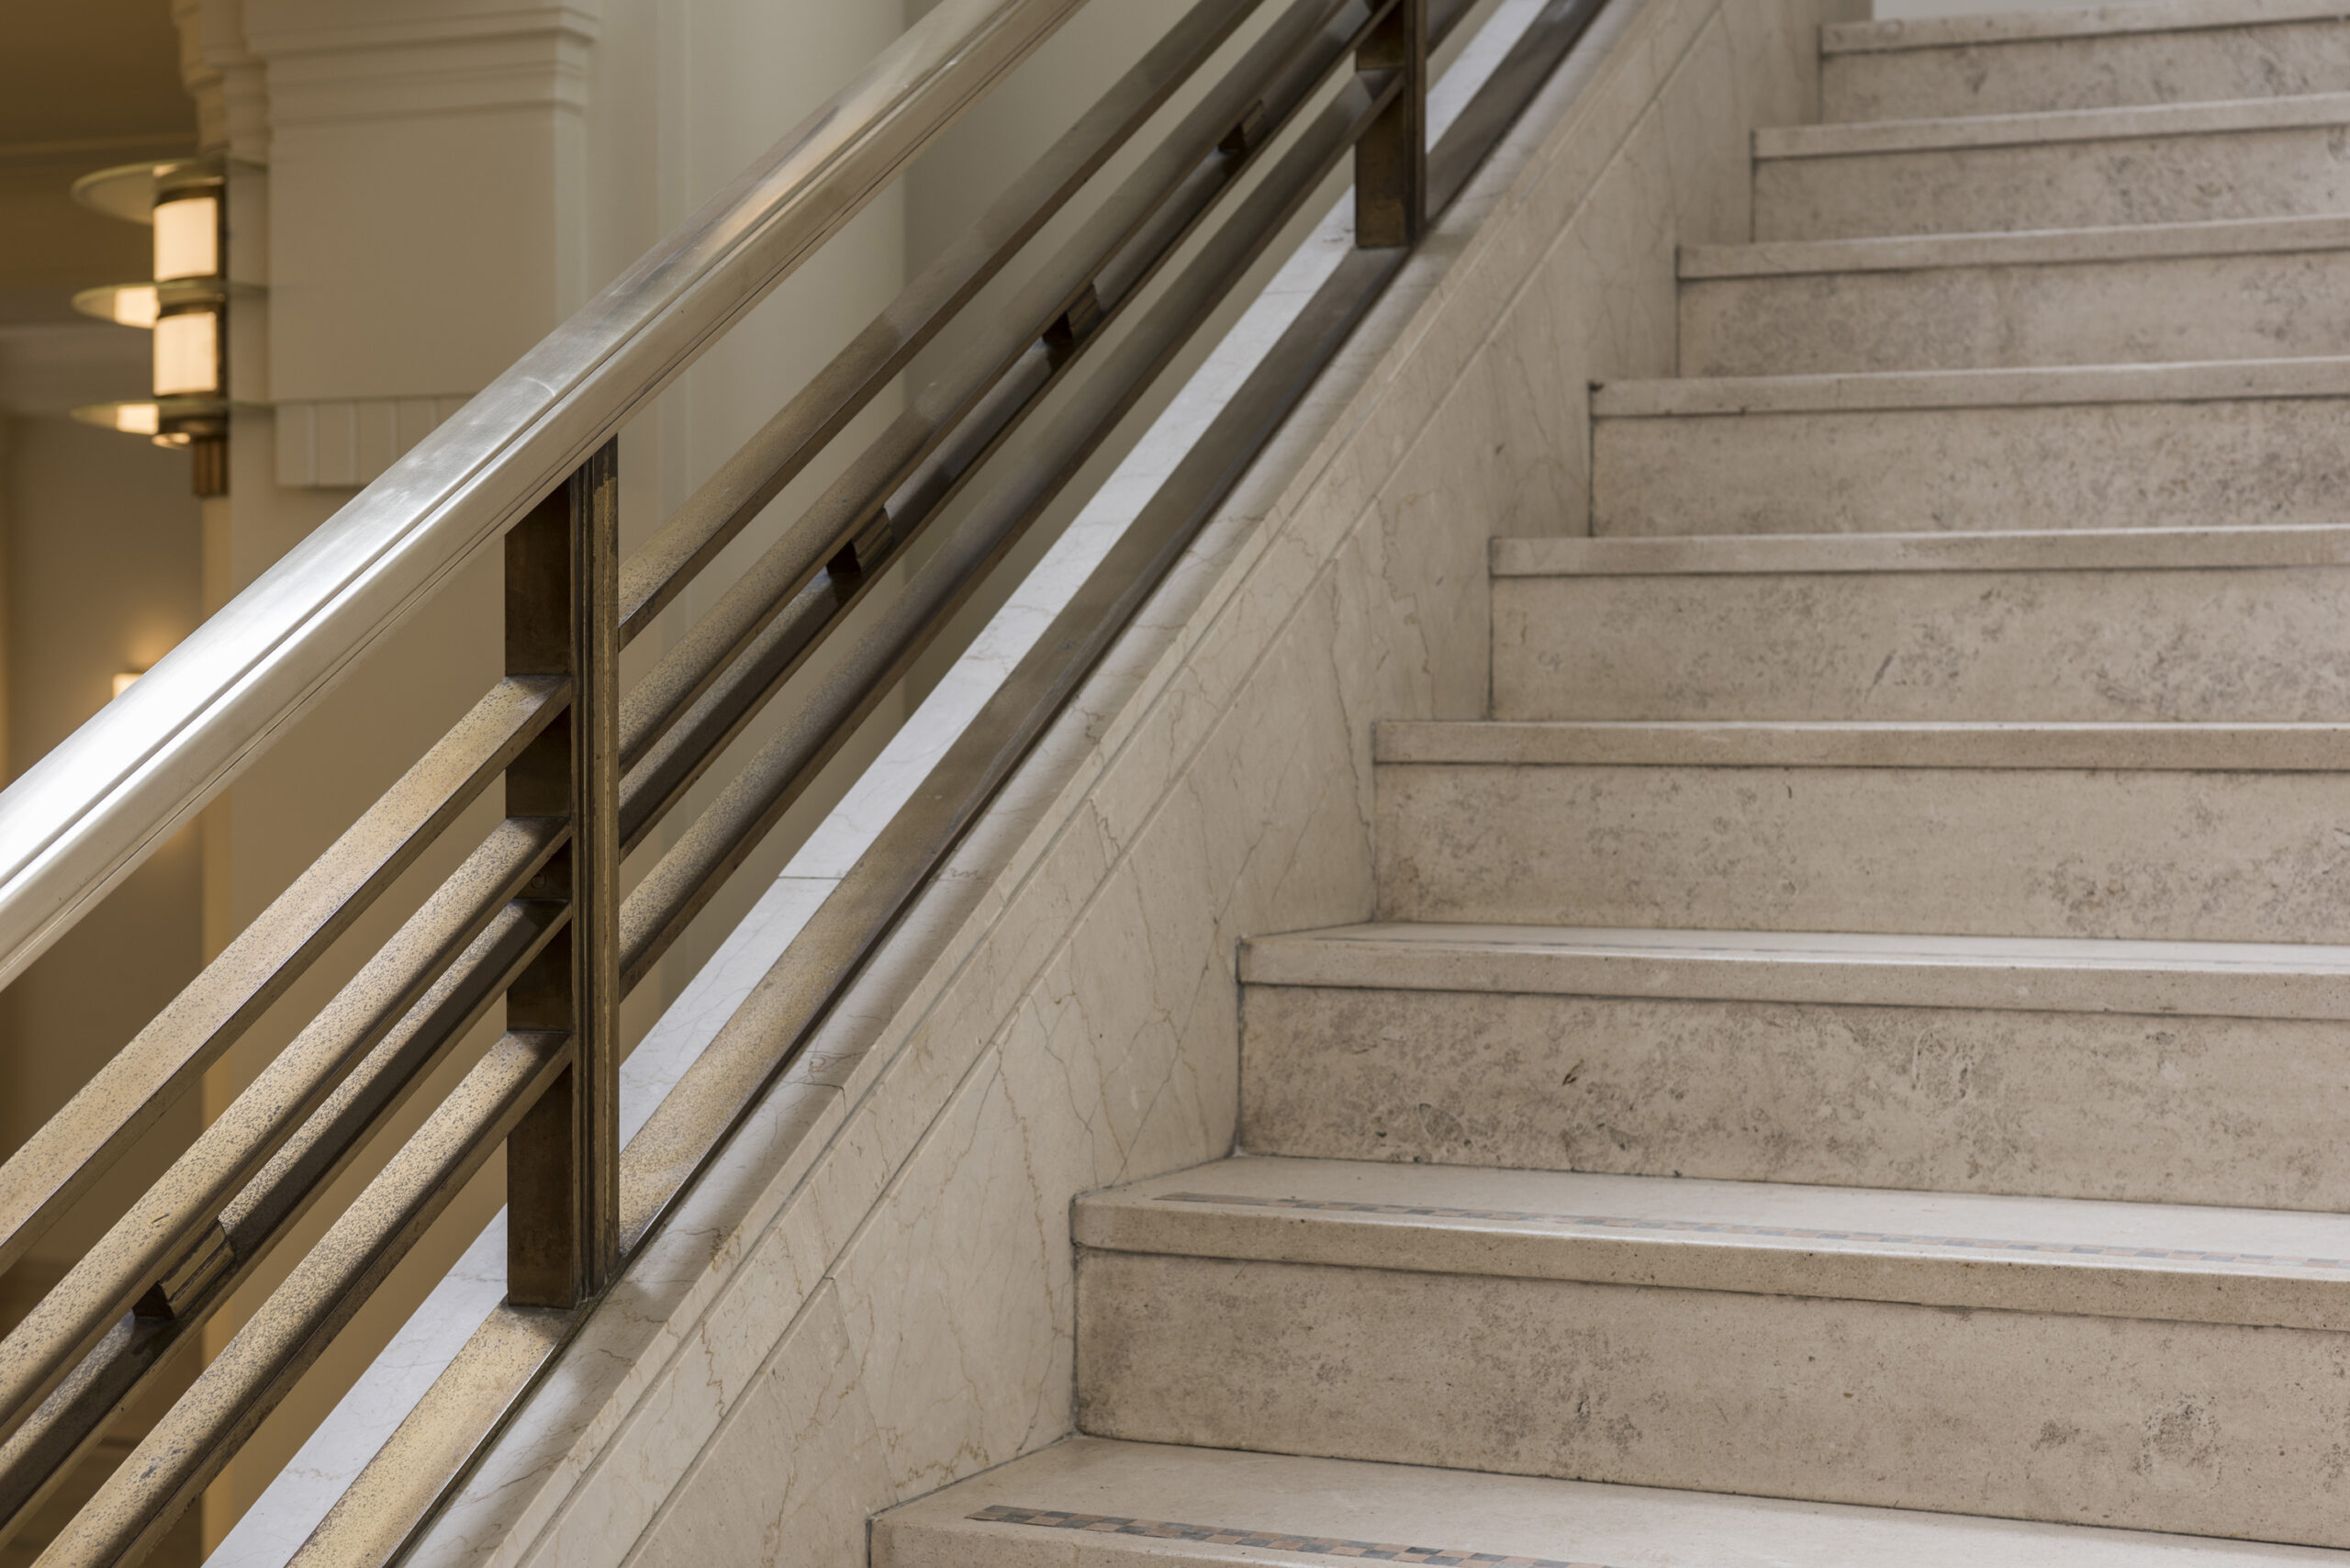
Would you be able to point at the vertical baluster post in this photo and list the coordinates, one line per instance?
(1391, 159)
(563, 1159)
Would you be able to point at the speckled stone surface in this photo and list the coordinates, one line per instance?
(2136, 465)
(2026, 74)
(2170, 1109)
(2197, 1427)
(1149, 1502)
(2120, 851)
(2018, 644)
(2158, 177)
(2111, 311)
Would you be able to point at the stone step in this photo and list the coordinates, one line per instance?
(2166, 53)
(2210, 445)
(2250, 289)
(1104, 1503)
(2087, 168)
(2140, 1366)
(2198, 625)
(2210, 833)
(2151, 1071)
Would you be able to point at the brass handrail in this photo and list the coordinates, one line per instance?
(534, 916)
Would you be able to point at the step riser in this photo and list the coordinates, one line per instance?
(2244, 1113)
(2211, 65)
(2030, 852)
(2296, 172)
(2253, 645)
(2128, 312)
(2082, 465)
(2194, 1427)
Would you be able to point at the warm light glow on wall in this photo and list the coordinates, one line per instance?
(187, 238)
(122, 682)
(187, 354)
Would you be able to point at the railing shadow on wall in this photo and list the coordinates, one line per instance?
(535, 915)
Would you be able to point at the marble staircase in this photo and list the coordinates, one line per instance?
(1850, 1065)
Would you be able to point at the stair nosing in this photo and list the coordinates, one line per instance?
(2144, 979)
(2119, 747)
(2253, 547)
(2069, 1256)
(1970, 133)
(1186, 1503)
(1893, 37)
(2314, 376)
(2019, 247)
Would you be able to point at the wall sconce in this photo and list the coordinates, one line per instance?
(185, 306)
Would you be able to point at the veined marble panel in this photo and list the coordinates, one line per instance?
(2199, 1428)
(2118, 850)
(2256, 57)
(2149, 1107)
(2017, 645)
(1994, 178)
(1901, 470)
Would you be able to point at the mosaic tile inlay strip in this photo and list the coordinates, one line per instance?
(1270, 1540)
(1776, 1232)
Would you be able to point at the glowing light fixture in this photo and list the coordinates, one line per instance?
(186, 306)
(187, 234)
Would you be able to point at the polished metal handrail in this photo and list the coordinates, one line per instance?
(535, 915)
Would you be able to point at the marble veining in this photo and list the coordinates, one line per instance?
(1652, 1226)
(1265, 1541)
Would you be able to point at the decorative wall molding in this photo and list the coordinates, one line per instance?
(227, 79)
(371, 68)
(349, 441)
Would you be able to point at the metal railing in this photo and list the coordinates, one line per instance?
(534, 915)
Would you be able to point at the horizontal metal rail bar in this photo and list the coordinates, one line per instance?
(1116, 247)
(755, 475)
(168, 1242)
(38, 1457)
(123, 1099)
(657, 910)
(77, 821)
(186, 1449)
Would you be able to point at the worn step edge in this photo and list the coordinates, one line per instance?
(2211, 980)
(2135, 748)
(1846, 392)
(2036, 27)
(1095, 1500)
(2031, 247)
(2135, 122)
(2255, 548)
(2069, 1256)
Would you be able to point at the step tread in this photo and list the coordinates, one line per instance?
(1224, 1506)
(2036, 27)
(2224, 980)
(2030, 247)
(2071, 1256)
(2052, 127)
(2250, 548)
(1870, 391)
(1565, 743)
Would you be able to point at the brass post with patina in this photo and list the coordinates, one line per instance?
(563, 1160)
